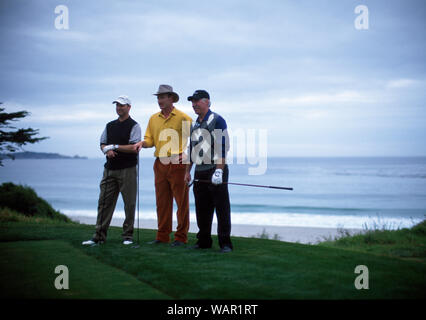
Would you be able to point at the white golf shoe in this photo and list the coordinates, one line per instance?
(88, 243)
(127, 242)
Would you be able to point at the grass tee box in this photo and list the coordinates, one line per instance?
(28, 271)
(257, 269)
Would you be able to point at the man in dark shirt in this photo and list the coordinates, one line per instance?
(208, 148)
(120, 173)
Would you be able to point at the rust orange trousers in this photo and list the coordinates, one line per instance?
(169, 184)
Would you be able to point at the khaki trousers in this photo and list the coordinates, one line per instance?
(169, 184)
(114, 182)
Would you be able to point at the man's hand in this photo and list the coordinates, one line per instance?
(187, 178)
(138, 146)
(217, 177)
(111, 154)
(109, 147)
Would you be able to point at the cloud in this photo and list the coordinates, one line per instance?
(68, 116)
(402, 83)
(153, 30)
(324, 99)
(181, 30)
(53, 35)
(300, 70)
(309, 104)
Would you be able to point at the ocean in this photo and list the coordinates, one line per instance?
(328, 192)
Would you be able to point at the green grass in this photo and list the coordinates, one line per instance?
(257, 269)
(23, 199)
(27, 271)
(402, 243)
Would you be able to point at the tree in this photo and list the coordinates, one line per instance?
(12, 140)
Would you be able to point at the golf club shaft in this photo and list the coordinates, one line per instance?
(138, 195)
(246, 185)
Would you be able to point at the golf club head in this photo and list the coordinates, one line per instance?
(136, 246)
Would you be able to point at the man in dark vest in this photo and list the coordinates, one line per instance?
(208, 148)
(120, 173)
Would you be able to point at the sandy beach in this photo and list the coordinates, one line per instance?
(283, 233)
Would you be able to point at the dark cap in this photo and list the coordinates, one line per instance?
(198, 95)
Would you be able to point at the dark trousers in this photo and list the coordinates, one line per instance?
(209, 197)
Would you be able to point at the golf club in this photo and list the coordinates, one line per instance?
(137, 203)
(242, 184)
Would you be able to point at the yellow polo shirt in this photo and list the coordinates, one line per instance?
(168, 136)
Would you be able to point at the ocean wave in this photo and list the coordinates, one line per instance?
(304, 209)
(283, 219)
(383, 175)
(323, 221)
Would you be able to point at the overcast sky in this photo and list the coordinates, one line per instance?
(300, 69)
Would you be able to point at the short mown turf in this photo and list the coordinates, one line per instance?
(27, 270)
(257, 269)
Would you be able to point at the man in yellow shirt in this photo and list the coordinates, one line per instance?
(168, 131)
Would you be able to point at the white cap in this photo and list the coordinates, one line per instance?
(123, 100)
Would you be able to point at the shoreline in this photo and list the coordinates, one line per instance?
(304, 235)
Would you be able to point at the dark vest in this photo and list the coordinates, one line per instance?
(119, 133)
